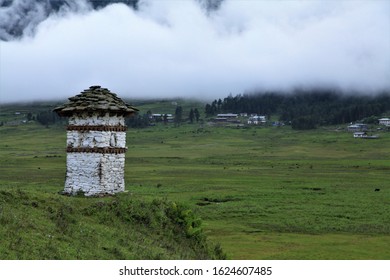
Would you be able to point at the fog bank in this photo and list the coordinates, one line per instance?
(180, 49)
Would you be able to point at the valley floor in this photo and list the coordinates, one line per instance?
(262, 192)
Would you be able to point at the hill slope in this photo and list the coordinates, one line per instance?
(50, 226)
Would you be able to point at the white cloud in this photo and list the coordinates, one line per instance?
(173, 48)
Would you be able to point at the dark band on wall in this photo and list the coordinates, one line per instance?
(117, 128)
(106, 150)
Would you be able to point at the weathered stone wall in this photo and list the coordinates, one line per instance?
(95, 158)
(94, 173)
(85, 119)
(92, 139)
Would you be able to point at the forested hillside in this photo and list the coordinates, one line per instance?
(306, 109)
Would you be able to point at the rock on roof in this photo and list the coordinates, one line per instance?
(95, 99)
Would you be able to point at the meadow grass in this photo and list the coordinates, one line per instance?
(40, 225)
(314, 188)
(263, 193)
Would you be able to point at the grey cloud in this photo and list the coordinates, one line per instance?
(21, 17)
(175, 48)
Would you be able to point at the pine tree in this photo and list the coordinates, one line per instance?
(197, 115)
(178, 115)
(191, 116)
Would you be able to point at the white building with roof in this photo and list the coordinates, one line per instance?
(384, 121)
(96, 142)
(357, 127)
(256, 120)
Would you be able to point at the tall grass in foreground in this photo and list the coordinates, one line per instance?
(38, 225)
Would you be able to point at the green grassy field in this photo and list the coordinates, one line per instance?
(272, 193)
(262, 193)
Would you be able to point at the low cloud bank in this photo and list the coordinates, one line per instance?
(180, 49)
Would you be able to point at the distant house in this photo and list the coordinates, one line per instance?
(256, 120)
(161, 117)
(230, 118)
(359, 134)
(357, 127)
(227, 116)
(363, 135)
(384, 121)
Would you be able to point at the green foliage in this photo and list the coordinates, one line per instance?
(197, 114)
(191, 116)
(306, 108)
(194, 115)
(63, 218)
(260, 189)
(48, 117)
(178, 115)
(371, 120)
(38, 225)
(261, 193)
(138, 121)
(303, 123)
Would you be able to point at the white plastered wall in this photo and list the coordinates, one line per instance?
(95, 173)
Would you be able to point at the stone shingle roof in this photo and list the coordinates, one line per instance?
(95, 99)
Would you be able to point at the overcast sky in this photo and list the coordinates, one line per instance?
(177, 49)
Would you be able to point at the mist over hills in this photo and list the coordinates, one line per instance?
(197, 48)
(20, 17)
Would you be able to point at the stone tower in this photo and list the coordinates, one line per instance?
(96, 142)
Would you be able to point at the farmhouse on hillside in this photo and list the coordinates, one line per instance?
(359, 134)
(96, 142)
(256, 120)
(357, 127)
(384, 121)
(229, 117)
(364, 135)
(162, 117)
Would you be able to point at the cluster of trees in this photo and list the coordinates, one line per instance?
(138, 121)
(46, 118)
(261, 103)
(193, 115)
(306, 109)
(145, 120)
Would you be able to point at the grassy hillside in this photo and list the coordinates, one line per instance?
(44, 225)
(263, 193)
(167, 106)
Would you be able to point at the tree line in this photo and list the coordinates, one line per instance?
(46, 118)
(305, 109)
(138, 120)
(144, 120)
